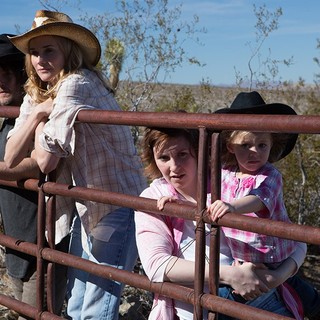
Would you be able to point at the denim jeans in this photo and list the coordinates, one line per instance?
(309, 296)
(111, 242)
(270, 301)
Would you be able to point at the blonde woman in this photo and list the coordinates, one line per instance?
(60, 62)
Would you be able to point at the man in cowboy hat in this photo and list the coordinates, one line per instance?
(17, 206)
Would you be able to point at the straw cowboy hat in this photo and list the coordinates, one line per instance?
(8, 52)
(252, 103)
(51, 23)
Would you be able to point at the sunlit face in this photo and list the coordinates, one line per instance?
(251, 150)
(10, 90)
(46, 57)
(178, 165)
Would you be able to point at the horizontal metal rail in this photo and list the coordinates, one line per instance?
(206, 123)
(135, 280)
(271, 123)
(308, 234)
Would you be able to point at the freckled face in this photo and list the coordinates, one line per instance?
(178, 165)
(251, 150)
(46, 57)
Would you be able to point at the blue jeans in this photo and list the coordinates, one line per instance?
(309, 296)
(270, 301)
(111, 242)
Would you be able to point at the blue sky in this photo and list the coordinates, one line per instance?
(230, 26)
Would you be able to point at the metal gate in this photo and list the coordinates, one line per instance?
(209, 126)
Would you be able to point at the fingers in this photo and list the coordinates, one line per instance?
(217, 210)
(163, 200)
(252, 294)
(236, 262)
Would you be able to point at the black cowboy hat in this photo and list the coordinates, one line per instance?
(252, 103)
(8, 52)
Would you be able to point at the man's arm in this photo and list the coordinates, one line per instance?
(27, 168)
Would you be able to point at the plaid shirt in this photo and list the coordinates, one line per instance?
(96, 156)
(267, 185)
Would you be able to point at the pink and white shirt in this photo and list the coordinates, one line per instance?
(267, 186)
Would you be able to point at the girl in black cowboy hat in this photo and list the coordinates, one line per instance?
(251, 185)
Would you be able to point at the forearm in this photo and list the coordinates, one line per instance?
(273, 278)
(299, 255)
(287, 269)
(182, 271)
(46, 160)
(242, 279)
(27, 168)
(247, 204)
(18, 145)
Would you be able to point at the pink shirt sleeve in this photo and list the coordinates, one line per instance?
(154, 241)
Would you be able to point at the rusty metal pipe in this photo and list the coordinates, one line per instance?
(168, 289)
(214, 249)
(216, 122)
(200, 234)
(25, 309)
(294, 231)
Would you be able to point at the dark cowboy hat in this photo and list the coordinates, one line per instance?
(8, 52)
(252, 103)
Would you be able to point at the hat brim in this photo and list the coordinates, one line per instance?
(84, 38)
(19, 56)
(268, 109)
(272, 108)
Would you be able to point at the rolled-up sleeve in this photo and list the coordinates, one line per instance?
(25, 110)
(58, 132)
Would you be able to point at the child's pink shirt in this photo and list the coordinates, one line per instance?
(267, 186)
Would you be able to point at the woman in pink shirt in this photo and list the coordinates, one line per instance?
(166, 245)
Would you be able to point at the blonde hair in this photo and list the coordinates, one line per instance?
(278, 140)
(74, 61)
